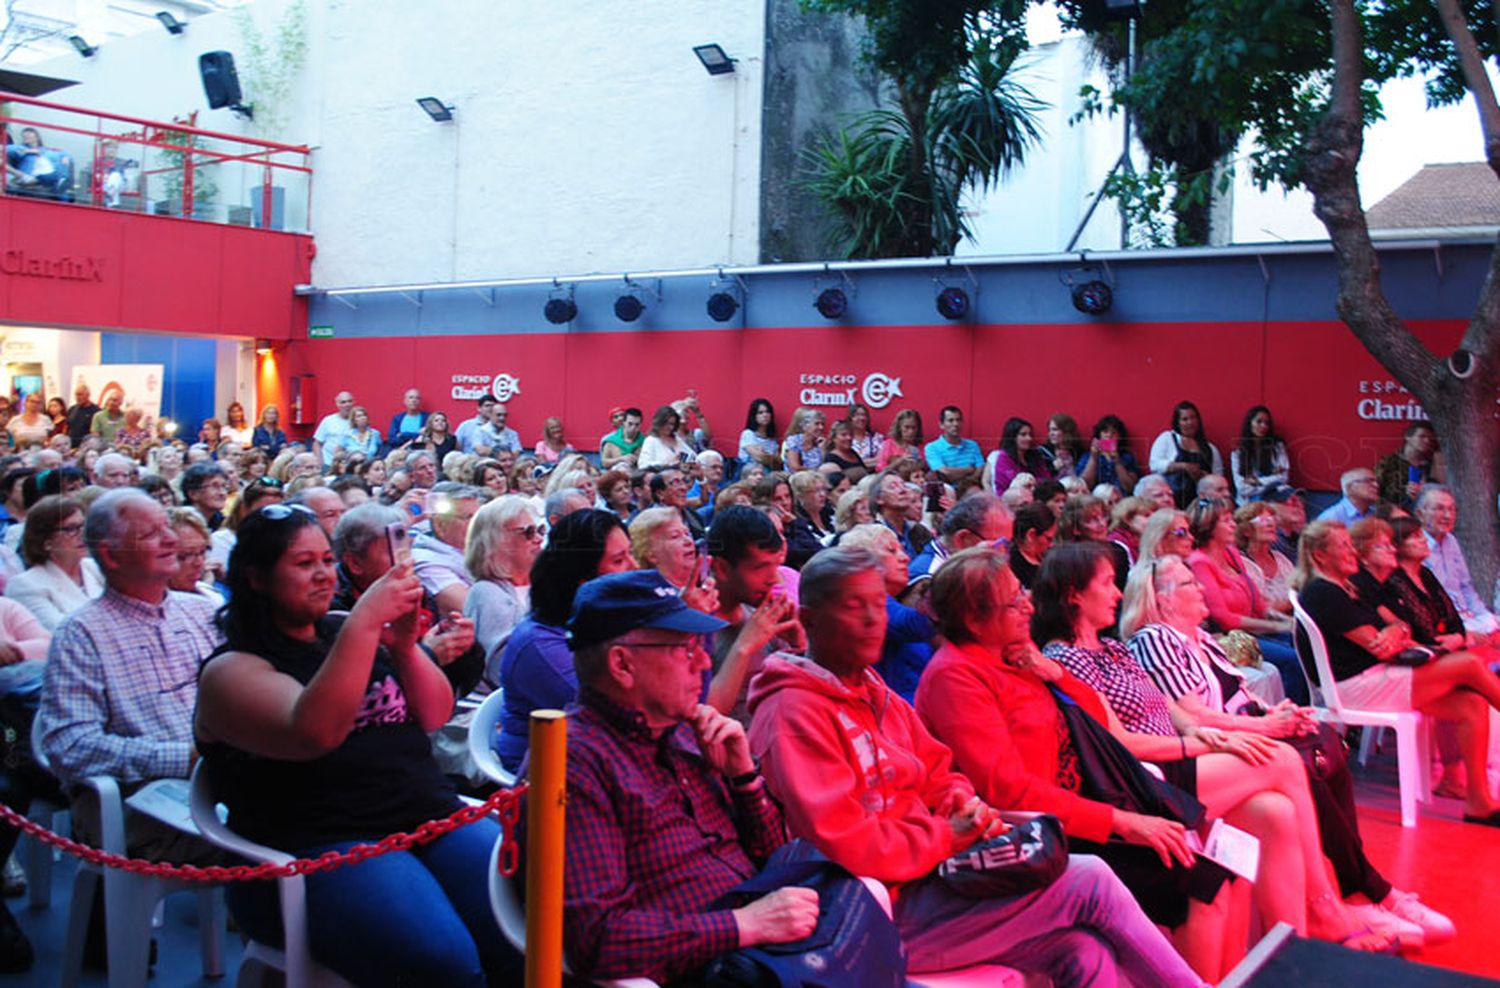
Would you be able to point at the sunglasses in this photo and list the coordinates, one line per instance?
(270, 482)
(530, 531)
(281, 512)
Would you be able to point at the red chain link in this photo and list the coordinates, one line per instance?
(506, 803)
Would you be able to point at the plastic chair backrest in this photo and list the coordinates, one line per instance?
(482, 739)
(1326, 684)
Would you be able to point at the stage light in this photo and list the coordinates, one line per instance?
(714, 59)
(953, 303)
(628, 308)
(1093, 298)
(172, 24)
(81, 46)
(560, 310)
(435, 108)
(832, 303)
(722, 306)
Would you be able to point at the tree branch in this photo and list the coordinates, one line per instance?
(1476, 78)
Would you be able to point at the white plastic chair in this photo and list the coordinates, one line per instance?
(482, 739)
(36, 857)
(1413, 758)
(292, 960)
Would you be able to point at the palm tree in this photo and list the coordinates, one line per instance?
(895, 185)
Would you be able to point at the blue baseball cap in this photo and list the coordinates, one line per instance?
(611, 606)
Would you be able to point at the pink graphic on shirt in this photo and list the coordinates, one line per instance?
(384, 703)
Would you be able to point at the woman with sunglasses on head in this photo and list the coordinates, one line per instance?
(504, 538)
(1163, 610)
(1234, 598)
(536, 667)
(313, 731)
(1251, 781)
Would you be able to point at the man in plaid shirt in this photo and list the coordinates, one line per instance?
(666, 810)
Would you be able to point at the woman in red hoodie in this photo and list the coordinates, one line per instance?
(860, 777)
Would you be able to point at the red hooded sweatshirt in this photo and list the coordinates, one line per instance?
(854, 769)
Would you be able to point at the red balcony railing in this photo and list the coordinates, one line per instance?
(70, 154)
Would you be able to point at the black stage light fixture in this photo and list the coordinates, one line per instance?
(832, 303)
(560, 310)
(628, 308)
(172, 24)
(1093, 298)
(953, 303)
(722, 306)
(81, 46)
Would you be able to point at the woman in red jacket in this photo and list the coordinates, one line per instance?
(986, 695)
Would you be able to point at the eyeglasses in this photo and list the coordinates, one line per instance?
(1180, 532)
(530, 531)
(74, 529)
(1002, 546)
(270, 482)
(281, 512)
(682, 651)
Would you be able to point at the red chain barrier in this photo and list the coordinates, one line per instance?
(506, 803)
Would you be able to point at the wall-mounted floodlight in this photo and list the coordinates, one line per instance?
(435, 108)
(81, 46)
(172, 24)
(560, 307)
(715, 60)
(831, 303)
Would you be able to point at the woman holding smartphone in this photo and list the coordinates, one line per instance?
(1109, 459)
(313, 731)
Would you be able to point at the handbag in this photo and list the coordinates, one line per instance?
(1109, 773)
(1031, 855)
(855, 944)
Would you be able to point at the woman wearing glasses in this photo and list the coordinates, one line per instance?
(1249, 780)
(61, 577)
(313, 730)
(1162, 617)
(503, 541)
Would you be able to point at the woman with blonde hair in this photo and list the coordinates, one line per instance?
(802, 448)
(571, 471)
(905, 439)
(1166, 533)
(1127, 520)
(660, 540)
(504, 538)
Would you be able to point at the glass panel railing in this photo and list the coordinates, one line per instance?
(175, 168)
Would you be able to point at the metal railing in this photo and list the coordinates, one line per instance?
(70, 154)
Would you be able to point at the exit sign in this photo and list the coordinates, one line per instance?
(320, 333)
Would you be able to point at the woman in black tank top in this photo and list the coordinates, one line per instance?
(313, 728)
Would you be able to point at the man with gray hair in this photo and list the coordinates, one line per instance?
(1360, 494)
(1438, 512)
(438, 558)
(1214, 487)
(1155, 487)
(980, 518)
(362, 554)
(423, 467)
(122, 673)
(323, 502)
(113, 470)
(560, 504)
(710, 482)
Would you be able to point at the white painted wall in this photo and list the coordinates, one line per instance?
(58, 351)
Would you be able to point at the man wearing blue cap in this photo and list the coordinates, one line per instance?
(666, 809)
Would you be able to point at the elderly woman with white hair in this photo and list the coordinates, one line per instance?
(571, 471)
(909, 634)
(503, 541)
(660, 540)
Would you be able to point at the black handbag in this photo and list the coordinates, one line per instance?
(1031, 855)
(855, 944)
(1109, 773)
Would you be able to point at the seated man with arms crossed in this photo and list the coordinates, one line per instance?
(666, 811)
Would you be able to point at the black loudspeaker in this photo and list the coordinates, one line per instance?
(220, 83)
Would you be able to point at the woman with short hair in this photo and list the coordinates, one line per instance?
(61, 577)
(504, 538)
(803, 447)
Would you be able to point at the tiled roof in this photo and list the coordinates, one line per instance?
(1459, 195)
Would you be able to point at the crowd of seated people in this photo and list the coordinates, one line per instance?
(744, 633)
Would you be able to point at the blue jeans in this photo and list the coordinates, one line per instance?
(418, 917)
(1281, 653)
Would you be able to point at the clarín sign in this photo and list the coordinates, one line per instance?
(876, 390)
(66, 267)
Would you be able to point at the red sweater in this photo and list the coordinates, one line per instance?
(1002, 725)
(854, 769)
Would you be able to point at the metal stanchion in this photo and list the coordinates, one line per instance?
(544, 848)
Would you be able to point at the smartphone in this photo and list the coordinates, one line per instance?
(398, 537)
(1413, 474)
(703, 568)
(1108, 445)
(934, 492)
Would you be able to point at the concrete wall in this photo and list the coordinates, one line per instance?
(814, 83)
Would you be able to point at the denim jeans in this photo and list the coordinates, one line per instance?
(1084, 929)
(1281, 653)
(417, 918)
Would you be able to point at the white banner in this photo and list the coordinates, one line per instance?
(138, 384)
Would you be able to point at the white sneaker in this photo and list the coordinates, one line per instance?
(1388, 924)
(1406, 906)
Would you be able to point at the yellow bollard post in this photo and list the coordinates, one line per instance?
(545, 798)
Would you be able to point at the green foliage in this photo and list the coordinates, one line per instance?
(271, 63)
(174, 177)
(894, 178)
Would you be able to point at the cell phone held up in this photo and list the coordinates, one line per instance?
(398, 537)
(933, 489)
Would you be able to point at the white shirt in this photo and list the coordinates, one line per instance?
(1452, 570)
(331, 432)
(51, 595)
(657, 452)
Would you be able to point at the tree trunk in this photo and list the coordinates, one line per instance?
(1462, 411)
(918, 240)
